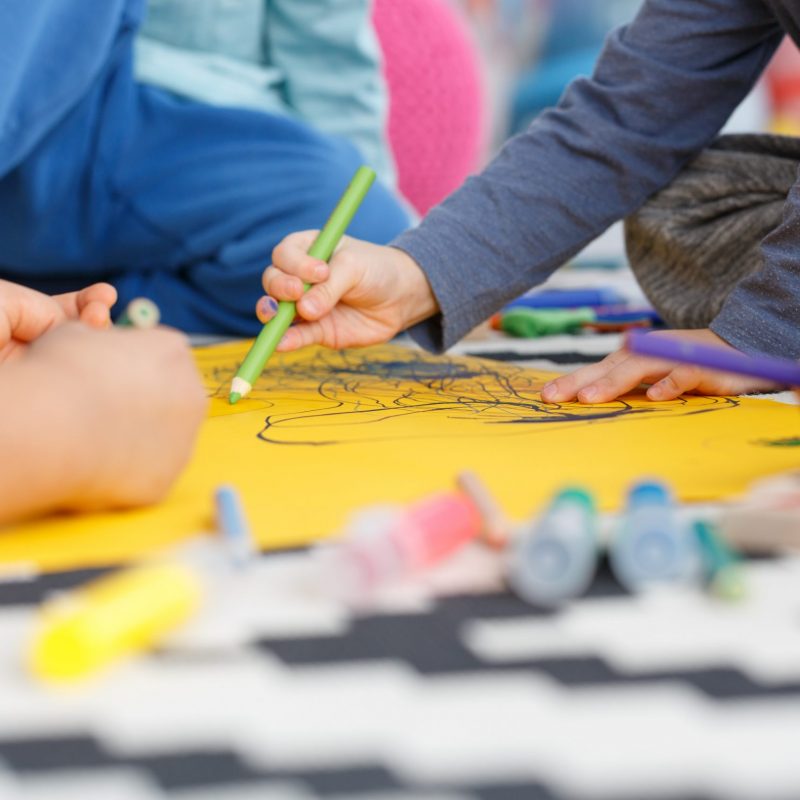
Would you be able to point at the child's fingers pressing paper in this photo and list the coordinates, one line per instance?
(566, 388)
(680, 380)
(621, 379)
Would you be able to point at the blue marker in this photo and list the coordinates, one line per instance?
(570, 298)
(623, 315)
(554, 558)
(232, 523)
(652, 545)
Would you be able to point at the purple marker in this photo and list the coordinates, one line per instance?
(779, 370)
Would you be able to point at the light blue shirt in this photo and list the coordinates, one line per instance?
(315, 60)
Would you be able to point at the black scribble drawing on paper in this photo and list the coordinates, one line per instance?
(393, 393)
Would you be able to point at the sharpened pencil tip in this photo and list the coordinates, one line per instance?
(234, 397)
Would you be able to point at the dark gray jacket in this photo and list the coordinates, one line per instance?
(662, 89)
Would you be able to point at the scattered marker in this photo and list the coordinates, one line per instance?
(721, 565)
(140, 313)
(652, 545)
(554, 558)
(129, 611)
(496, 527)
(384, 543)
(232, 523)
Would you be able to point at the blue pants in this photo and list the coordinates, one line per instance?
(173, 200)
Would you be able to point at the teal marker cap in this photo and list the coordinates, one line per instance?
(721, 563)
(576, 494)
(553, 558)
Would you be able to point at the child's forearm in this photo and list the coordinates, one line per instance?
(43, 441)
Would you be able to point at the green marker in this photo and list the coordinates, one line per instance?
(529, 323)
(140, 313)
(323, 247)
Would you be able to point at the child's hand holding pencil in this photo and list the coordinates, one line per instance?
(367, 294)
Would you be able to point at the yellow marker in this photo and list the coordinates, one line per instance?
(117, 615)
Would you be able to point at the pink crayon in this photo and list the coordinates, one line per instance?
(383, 543)
(431, 529)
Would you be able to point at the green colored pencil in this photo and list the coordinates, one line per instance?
(322, 248)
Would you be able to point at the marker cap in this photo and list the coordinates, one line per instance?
(652, 544)
(554, 558)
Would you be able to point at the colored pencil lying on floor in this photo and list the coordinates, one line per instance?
(779, 370)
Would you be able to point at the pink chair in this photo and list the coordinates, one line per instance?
(783, 84)
(437, 110)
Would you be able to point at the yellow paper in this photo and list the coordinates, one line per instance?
(325, 433)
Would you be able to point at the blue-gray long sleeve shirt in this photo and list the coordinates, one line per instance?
(662, 89)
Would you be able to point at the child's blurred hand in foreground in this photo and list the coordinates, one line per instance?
(622, 371)
(89, 418)
(367, 294)
(26, 314)
(135, 400)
